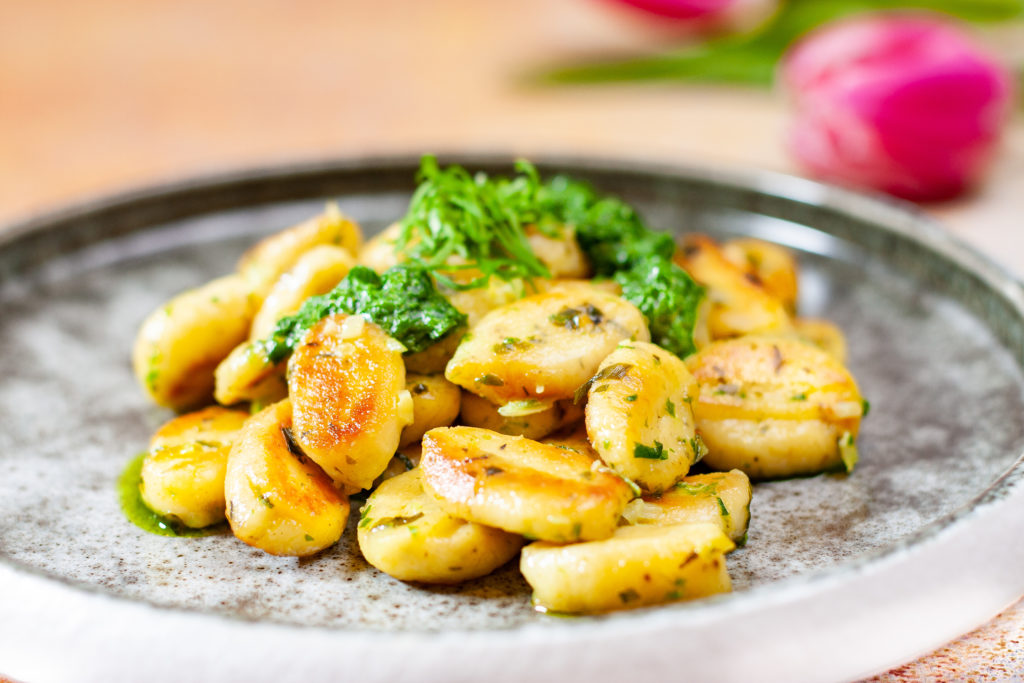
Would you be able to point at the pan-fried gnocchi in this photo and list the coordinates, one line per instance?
(435, 403)
(317, 271)
(721, 498)
(775, 407)
(739, 302)
(264, 264)
(347, 386)
(179, 344)
(639, 417)
(534, 420)
(280, 501)
(637, 566)
(404, 532)
(545, 346)
(522, 486)
(462, 373)
(183, 472)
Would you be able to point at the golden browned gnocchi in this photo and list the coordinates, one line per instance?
(264, 264)
(248, 375)
(404, 532)
(432, 384)
(774, 407)
(379, 251)
(278, 500)
(183, 471)
(532, 420)
(521, 486)
(435, 403)
(739, 304)
(721, 498)
(179, 345)
(770, 265)
(639, 417)
(559, 252)
(637, 566)
(545, 346)
(346, 381)
(317, 271)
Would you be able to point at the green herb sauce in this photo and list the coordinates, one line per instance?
(144, 518)
(403, 301)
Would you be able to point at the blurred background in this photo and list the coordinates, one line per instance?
(98, 96)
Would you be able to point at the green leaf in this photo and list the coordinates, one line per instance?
(751, 59)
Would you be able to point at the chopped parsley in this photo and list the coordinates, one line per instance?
(476, 220)
(848, 451)
(658, 452)
(670, 407)
(613, 371)
(570, 318)
(668, 297)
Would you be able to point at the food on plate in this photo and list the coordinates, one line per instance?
(183, 471)
(520, 418)
(405, 532)
(739, 303)
(263, 265)
(515, 360)
(520, 485)
(721, 498)
(775, 407)
(636, 566)
(639, 417)
(346, 381)
(179, 344)
(435, 403)
(543, 347)
(278, 500)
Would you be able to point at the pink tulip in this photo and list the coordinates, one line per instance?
(680, 9)
(906, 104)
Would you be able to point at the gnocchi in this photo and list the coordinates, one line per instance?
(491, 400)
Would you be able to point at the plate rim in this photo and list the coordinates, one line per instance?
(887, 214)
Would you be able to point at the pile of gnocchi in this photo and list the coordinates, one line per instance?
(548, 427)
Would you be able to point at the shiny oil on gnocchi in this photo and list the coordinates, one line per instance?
(637, 566)
(272, 256)
(180, 344)
(639, 417)
(545, 346)
(346, 381)
(183, 471)
(277, 499)
(721, 498)
(522, 486)
(404, 532)
(738, 302)
(774, 406)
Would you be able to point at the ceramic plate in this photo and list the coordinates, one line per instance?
(842, 575)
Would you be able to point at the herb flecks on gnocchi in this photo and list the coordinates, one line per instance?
(545, 346)
(404, 532)
(462, 372)
(637, 566)
(183, 472)
(639, 417)
(346, 381)
(774, 406)
(278, 500)
(522, 486)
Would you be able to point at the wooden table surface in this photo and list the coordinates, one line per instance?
(102, 95)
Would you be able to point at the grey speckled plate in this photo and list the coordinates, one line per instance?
(843, 575)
